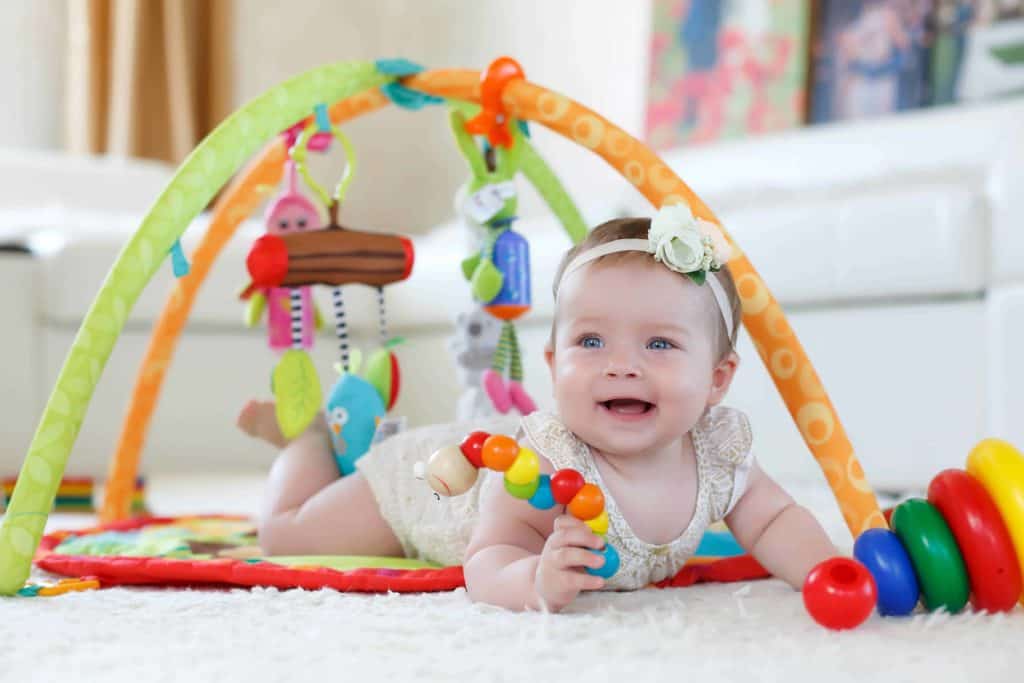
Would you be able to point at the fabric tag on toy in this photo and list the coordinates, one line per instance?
(387, 427)
(488, 200)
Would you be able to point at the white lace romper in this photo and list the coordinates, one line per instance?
(440, 530)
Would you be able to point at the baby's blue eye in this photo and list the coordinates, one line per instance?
(660, 345)
(591, 342)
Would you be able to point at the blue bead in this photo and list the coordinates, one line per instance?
(611, 562)
(882, 553)
(543, 499)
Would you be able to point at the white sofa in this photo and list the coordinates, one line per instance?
(896, 246)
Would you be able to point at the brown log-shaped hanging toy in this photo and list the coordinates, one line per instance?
(333, 256)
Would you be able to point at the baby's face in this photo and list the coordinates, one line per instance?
(633, 359)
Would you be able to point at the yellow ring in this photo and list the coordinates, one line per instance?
(1000, 469)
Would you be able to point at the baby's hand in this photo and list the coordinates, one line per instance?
(560, 576)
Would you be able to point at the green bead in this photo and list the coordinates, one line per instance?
(524, 491)
(934, 553)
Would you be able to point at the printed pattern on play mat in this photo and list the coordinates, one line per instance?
(221, 550)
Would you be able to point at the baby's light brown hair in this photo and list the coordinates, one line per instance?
(637, 228)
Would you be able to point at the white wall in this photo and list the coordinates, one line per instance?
(32, 49)
(594, 51)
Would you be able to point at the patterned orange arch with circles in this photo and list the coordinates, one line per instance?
(775, 341)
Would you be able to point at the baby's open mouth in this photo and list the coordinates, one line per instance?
(627, 406)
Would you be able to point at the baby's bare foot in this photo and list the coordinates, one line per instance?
(259, 420)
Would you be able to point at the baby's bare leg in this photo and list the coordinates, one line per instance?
(309, 510)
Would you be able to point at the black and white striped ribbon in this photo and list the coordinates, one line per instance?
(295, 311)
(383, 315)
(341, 327)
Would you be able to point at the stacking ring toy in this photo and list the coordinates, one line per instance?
(1000, 469)
(882, 553)
(934, 553)
(992, 565)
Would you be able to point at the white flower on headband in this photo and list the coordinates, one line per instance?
(687, 244)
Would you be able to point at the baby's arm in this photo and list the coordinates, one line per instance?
(524, 558)
(784, 537)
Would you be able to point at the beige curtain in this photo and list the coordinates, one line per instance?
(146, 78)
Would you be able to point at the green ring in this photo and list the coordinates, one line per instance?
(210, 165)
(934, 553)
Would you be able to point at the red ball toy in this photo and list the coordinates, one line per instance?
(840, 593)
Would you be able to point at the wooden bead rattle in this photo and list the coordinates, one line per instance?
(452, 470)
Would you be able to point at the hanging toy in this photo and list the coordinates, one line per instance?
(289, 213)
(499, 273)
(357, 405)
(334, 256)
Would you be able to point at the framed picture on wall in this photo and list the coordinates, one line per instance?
(978, 50)
(870, 57)
(725, 69)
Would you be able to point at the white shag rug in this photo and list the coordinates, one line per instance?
(756, 631)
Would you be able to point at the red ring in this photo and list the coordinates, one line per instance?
(983, 539)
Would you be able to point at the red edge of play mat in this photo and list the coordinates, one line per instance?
(221, 572)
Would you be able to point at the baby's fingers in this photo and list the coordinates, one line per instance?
(568, 557)
(581, 537)
(567, 522)
(580, 581)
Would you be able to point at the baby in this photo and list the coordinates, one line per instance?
(641, 356)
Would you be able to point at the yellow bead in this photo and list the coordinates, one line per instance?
(599, 524)
(525, 468)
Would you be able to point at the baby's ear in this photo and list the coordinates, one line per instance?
(721, 377)
(549, 358)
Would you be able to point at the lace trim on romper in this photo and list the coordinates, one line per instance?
(721, 441)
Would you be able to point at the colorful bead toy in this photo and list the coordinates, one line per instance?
(452, 470)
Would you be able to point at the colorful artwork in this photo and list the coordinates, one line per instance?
(870, 57)
(725, 68)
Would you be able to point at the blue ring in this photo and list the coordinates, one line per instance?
(885, 557)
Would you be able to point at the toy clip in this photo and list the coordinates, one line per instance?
(492, 120)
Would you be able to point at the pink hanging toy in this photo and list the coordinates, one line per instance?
(289, 213)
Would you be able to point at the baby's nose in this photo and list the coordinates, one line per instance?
(622, 368)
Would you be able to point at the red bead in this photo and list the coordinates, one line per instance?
(472, 447)
(565, 484)
(840, 593)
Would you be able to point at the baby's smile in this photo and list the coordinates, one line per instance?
(630, 409)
